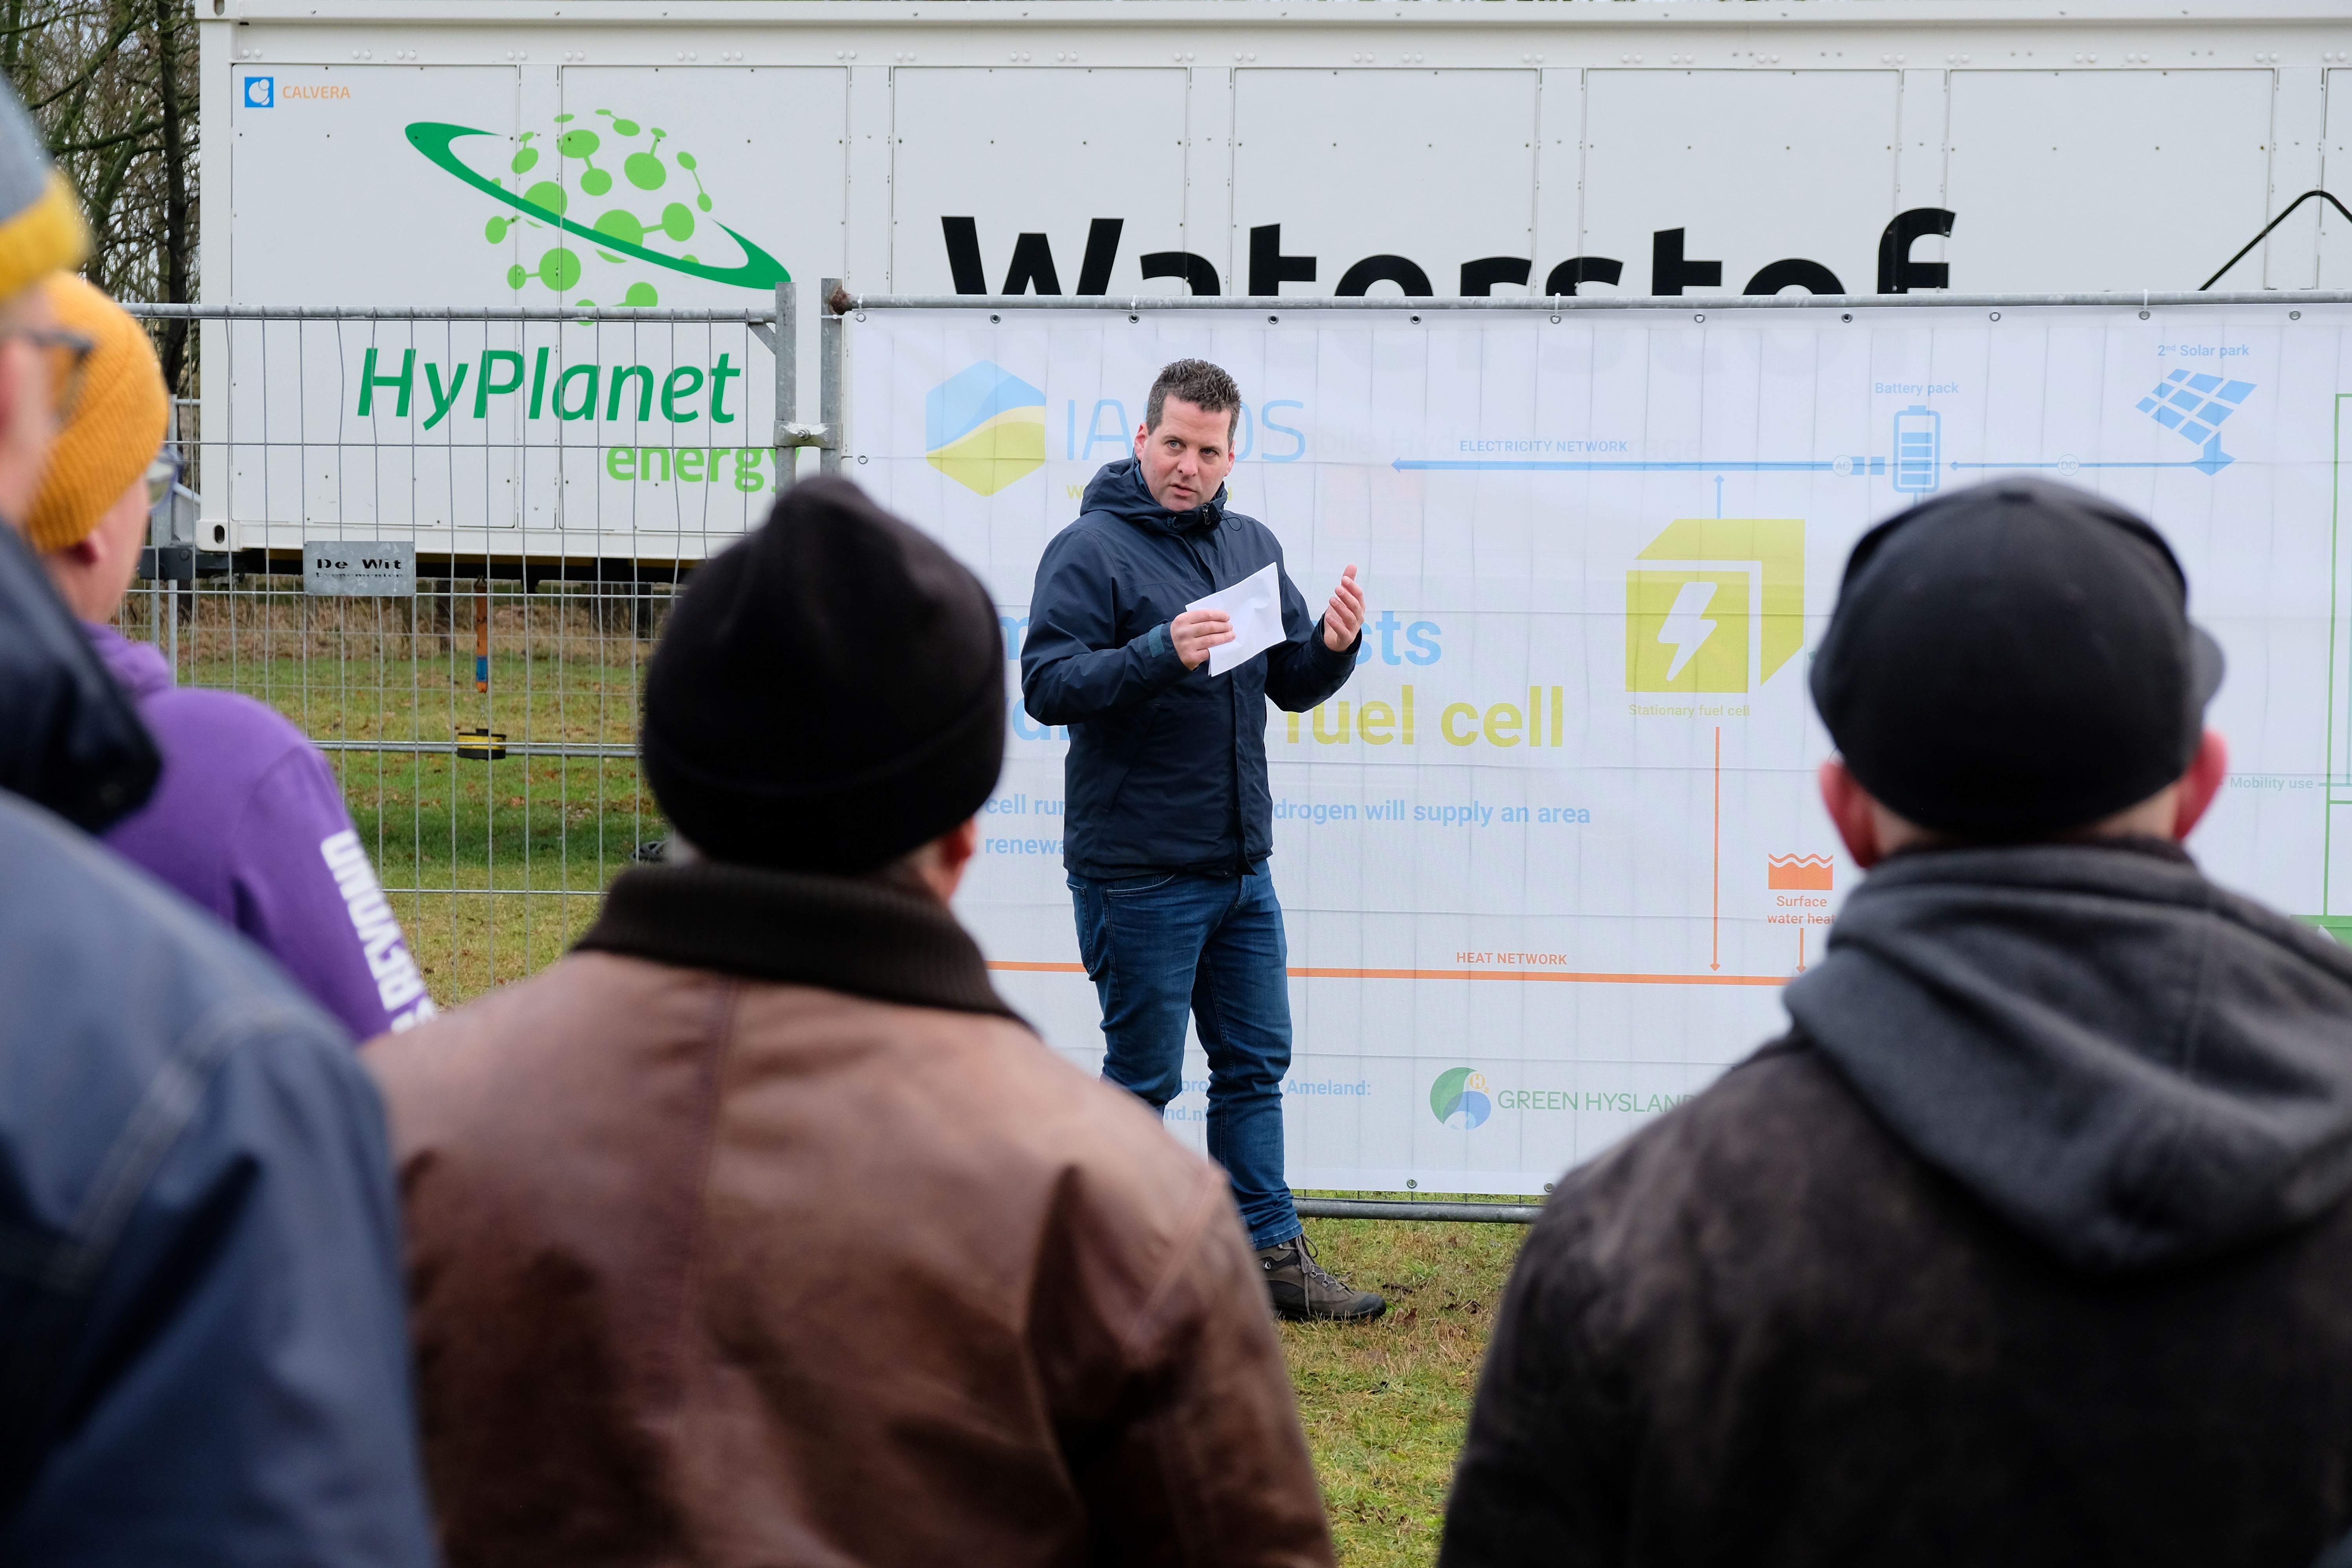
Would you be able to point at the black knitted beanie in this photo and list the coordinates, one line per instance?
(828, 693)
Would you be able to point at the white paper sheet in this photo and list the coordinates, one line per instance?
(1255, 606)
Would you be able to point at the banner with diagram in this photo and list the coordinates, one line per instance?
(1549, 856)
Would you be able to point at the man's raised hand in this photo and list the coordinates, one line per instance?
(1195, 632)
(1343, 618)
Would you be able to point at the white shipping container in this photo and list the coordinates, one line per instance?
(632, 153)
(1549, 856)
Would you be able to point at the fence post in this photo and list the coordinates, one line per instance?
(787, 356)
(828, 408)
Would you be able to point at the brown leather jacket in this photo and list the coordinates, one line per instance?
(763, 1232)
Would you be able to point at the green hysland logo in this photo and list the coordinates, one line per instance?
(617, 234)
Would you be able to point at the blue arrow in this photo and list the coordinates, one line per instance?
(1503, 465)
(2212, 462)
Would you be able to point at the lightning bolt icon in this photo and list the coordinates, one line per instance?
(1683, 630)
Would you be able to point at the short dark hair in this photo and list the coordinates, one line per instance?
(1204, 385)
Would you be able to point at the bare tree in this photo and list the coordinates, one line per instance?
(113, 84)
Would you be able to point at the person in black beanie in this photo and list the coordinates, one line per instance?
(2027, 1243)
(828, 695)
(760, 1227)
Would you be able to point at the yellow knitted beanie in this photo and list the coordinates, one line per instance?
(117, 425)
(44, 233)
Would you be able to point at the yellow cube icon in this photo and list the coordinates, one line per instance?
(1687, 630)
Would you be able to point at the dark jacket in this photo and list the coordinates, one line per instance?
(69, 739)
(2027, 1246)
(1166, 768)
(201, 1350)
(762, 1232)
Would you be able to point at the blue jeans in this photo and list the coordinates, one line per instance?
(1162, 945)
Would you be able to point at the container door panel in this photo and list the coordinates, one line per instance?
(1384, 182)
(1703, 181)
(698, 187)
(1032, 180)
(736, 167)
(2098, 181)
(346, 189)
(2335, 174)
(349, 187)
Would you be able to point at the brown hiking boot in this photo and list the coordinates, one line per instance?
(1303, 1288)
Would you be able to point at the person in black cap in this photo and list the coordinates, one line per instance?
(2027, 1243)
(760, 1228)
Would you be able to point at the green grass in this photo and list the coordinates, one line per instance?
(1384, 1403)
(496, 867)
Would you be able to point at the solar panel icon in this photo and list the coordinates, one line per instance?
(2193, 405)
(1918, 442)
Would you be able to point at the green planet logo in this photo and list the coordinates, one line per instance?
(617, 234)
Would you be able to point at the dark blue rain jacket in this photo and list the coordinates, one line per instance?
(204, 1346)
(1167, 765)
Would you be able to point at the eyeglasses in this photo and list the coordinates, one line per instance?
(162, 475)
(68, 354)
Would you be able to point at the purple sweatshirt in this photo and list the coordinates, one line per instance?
(247, 822)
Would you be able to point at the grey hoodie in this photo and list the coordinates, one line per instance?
(2130, 1064)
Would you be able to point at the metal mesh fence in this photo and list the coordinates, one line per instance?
(529, 491)
(544, 480)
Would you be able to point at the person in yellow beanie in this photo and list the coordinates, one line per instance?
(41, 233)
(246, 820)
(203, 1356)
(106, 467)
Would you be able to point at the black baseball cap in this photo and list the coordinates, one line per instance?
(2012, 660)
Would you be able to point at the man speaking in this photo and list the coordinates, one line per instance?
(1168, 823)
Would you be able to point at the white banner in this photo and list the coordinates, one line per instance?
(1551, 855)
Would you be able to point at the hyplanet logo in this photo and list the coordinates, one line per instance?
(1032, 265)
(1688, 619)
(984, 427)
(618, 235)
(1459, 1098)
(261, 92)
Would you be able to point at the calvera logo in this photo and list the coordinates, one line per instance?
(985, 427)
(652, 218)
(1459, 1098)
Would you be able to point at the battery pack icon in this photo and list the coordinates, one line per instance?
(1918, 442)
